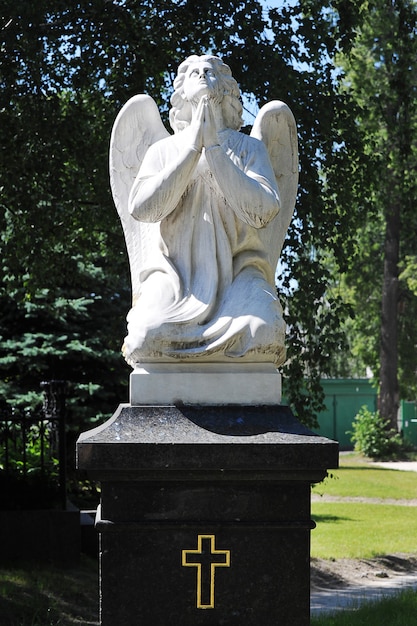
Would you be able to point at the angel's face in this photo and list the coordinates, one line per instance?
(201, 79)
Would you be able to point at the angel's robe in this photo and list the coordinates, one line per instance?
(207, 288)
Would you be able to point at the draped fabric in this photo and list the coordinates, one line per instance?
(207, 289)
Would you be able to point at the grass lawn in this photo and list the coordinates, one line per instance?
(32, 595)
(363, 529)
(358, 478)
(354, 531)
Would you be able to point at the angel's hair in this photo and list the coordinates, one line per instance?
(180, 114)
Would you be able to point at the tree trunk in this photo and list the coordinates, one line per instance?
(389, 389)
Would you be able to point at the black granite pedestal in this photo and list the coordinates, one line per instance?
(205, 514)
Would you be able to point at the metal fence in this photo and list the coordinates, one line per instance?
(32, 442)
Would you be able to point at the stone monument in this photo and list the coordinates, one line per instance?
(205, 506)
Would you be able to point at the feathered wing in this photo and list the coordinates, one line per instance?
(137, 126)
(275, 126)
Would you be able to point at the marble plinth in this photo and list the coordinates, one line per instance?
(205, 384)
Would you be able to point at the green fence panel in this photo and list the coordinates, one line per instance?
(408, 421)
(343, 400)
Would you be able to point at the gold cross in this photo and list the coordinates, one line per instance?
(206, 559)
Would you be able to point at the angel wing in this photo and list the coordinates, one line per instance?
(275, 126)
(137, 126)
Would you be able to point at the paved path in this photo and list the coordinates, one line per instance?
(333, 600)
(315, 497)
(404, 466)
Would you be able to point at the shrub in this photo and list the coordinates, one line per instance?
(372, 437)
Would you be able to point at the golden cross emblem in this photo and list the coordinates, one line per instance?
(205, 558)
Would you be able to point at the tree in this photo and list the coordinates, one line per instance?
(62, 253)
(67, 69)
(320, 244)
(381, 75)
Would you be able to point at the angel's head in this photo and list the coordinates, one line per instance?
(223, 87)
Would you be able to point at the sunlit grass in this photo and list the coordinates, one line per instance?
(369, 483)
(350, 530)
(357, 478)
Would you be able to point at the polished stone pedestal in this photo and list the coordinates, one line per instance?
(205, 514)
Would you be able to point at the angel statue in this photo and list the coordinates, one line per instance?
(205, 212)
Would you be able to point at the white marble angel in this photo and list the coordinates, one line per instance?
(205, 212)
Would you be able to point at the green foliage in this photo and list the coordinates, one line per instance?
(380, 77)
(372, 436)
(28, 460)
(27, 455)
(409, 273)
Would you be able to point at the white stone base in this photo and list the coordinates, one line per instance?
(205, 383)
